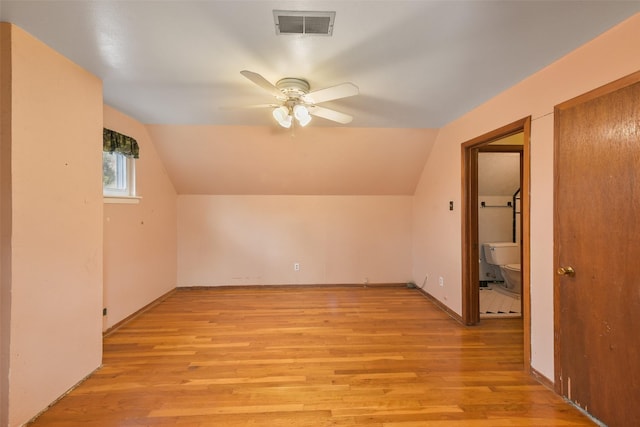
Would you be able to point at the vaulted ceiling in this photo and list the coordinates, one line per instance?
(418, 64)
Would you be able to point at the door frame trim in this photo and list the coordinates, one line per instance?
(470, 250)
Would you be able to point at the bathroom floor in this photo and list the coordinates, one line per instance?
(495, 303)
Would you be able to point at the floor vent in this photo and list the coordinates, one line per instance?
(311, 23)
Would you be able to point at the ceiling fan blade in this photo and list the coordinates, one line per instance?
(262, 82)
(343, 90)
(244, 107)
(328, 114)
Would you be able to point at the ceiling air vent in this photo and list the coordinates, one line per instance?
(296, 22)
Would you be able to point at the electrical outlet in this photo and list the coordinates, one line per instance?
(365, 281)
(441, 281)
(296, 266)
(104, 311)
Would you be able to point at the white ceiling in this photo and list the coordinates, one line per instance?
(418, 64)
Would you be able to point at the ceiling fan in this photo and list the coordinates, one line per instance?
(294, 100)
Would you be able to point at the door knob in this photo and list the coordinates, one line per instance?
(566, 271)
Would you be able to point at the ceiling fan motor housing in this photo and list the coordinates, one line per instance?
(292, 87)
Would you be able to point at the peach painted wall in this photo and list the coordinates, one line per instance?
(255, 240)
(5, 217)
(233, 160)
(56, 247)
(437, 244)
(140, 242)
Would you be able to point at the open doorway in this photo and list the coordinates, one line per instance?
(500, 227)
(470, 222)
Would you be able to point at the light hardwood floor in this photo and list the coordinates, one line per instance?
(310, 356)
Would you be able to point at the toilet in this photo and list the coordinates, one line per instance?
(506, 255)
(512, 276)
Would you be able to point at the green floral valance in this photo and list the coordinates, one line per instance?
(113, 141)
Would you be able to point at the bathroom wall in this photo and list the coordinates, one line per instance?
(495, 220)
(498, 180)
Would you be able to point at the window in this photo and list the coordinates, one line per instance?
(118, 175)
(118, 164)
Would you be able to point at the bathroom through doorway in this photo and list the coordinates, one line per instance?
(499, 227)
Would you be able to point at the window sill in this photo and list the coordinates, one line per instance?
(133, 200)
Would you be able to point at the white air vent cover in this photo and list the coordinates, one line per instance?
(296, 22)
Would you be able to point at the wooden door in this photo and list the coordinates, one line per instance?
(597, 234)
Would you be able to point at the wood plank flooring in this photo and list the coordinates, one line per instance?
(310, 356)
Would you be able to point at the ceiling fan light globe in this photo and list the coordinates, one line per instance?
(304, 120)
(301, 112)
(280, 114)
(286, 122)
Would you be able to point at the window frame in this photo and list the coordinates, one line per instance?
(125, 172)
